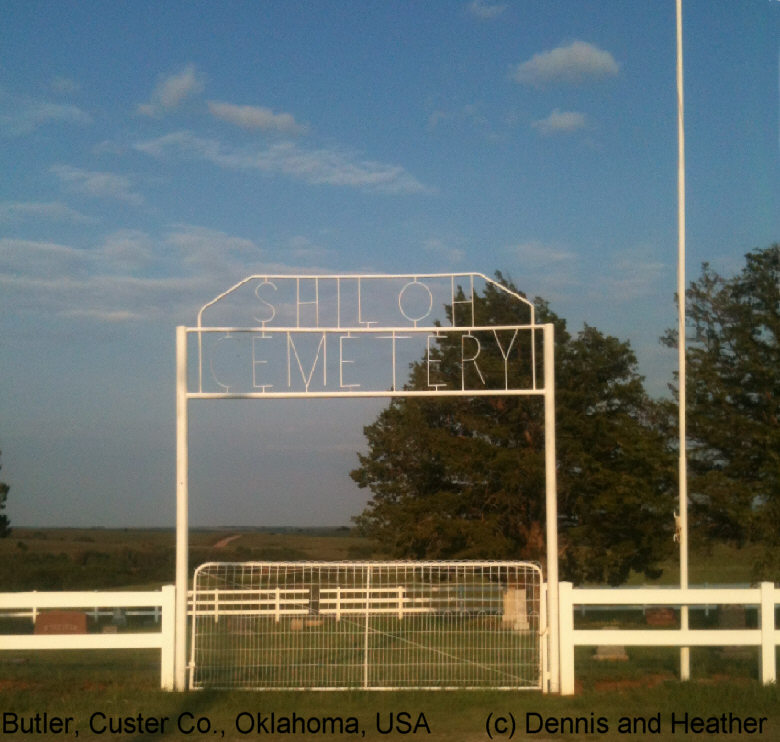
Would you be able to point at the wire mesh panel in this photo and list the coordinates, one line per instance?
(373, 625)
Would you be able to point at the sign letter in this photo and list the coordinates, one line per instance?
(342, 361)
(432, 364)
(426, 297)
(258, 362)
(271, 308)
(505, 356)
(307, 379)
(471, 359)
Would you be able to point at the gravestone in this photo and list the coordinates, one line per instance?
(61, 622)
(665, 617)
(610, 654)
(515, 610)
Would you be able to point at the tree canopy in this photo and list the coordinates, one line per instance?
(733, 395)
(464, 477)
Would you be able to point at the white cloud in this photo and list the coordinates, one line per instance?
(64, 85)
(109, 298)
(34, 257)
(97, 184)
(104, 315)
(211, 251)
(256, 117)
(535, 254)
(314, 166)
(303, 250)
(131, 275)
(20, 116)
(436, 118)
(126, 251)
(184, 249)
(547, 270)
(110, 147)
(443, 251)
(561, 122)
(15, 211)
(338, 167)
(171, 91)
(485, 9)
(558, 274)
(632, 276)
(576, 63)
(469, 115)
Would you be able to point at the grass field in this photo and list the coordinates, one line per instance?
(615, 700)
(122, 685)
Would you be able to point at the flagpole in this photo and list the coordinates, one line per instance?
(682, 526)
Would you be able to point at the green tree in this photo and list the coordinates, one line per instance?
(733, 394)
(5, 524)
(464, 477)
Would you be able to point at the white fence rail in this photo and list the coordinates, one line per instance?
(32, 603)
(396, 600)
(275, 602)
(766, 637)
(93, 612)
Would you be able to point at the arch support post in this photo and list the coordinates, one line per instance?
(182, 510)
(551, 509)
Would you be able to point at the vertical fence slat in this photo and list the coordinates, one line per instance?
(544, 664)
(168, 630)
(768, 654)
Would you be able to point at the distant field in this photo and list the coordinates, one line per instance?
(719, 564)
(76, 558)
(322, 543)
(98, 558)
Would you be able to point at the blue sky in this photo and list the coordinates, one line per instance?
(155, 153)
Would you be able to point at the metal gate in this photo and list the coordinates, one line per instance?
(370, 625)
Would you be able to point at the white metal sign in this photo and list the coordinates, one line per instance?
(315, 336)
(353, 336)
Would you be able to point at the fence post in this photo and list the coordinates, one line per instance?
(544, 628)
(551, 507)
(566, 629)
(168, 630)
(768, 664)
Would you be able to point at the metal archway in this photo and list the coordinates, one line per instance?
(287, 325)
